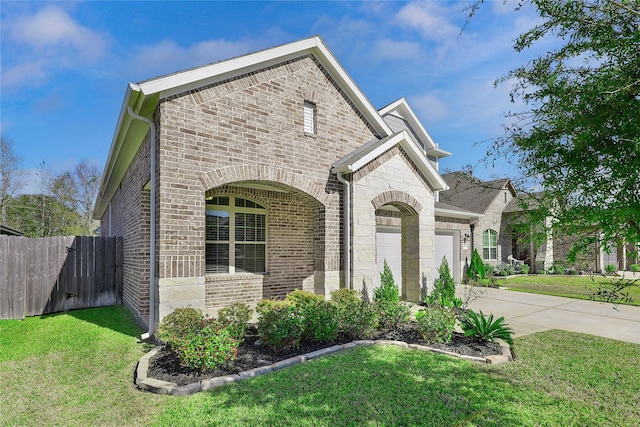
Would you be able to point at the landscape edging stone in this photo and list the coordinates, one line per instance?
(144, 382)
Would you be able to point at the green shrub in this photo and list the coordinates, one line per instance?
(436, 324)
(634, 268)
(524, 268)
(345, 298)
(611, 268)
(444, 288)
(302, 298)
(476, 271)
(392, 314)
(320, 321)
(489, 270)
(477, 325)
(178, 324)
(388, 290)
(356, 318)
(279, 324)
(207, 349)
(504, 269)
(235, 319)
(556, 268)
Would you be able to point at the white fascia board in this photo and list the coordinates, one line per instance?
(117, 140)
(457, 214)
(401, 106)
(411, 148)
(423, 164)
(438, 152)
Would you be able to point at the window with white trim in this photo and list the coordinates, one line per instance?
(489, 244)
(309, 117)
(235, 236)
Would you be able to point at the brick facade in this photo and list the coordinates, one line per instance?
(128, 216)
(244, 136)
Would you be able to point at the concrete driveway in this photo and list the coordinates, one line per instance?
(528, 313)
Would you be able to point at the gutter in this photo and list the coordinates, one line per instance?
(152, 231)
(347, 229)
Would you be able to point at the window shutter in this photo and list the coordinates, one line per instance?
(309, 117)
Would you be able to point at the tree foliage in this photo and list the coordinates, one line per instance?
(9, 175)
(63, 206)
(579, 137)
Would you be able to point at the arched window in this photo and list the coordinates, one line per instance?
(489, 244)
(236, 235)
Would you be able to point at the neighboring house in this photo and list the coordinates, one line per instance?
(490, 234)
(9, 231)
(249, 178)
(498, 234)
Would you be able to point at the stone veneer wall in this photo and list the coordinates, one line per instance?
(393, 179)
(492, 220)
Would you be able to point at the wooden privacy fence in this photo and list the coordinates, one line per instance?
(53, 274)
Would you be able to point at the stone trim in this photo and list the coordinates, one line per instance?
(144, 382)
(401, 200)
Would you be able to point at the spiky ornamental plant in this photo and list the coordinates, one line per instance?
(477, 325)
(475, 272)
(388, 290)
(444, 288)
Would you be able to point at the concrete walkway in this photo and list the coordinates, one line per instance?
(528, 313)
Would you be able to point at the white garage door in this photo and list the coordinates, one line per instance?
(389, 247)
(445, 247)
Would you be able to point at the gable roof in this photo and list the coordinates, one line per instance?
(144, 97)
(399, 116)
(471, 193)
(371, 150)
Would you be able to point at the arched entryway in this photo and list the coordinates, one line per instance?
(397, 239)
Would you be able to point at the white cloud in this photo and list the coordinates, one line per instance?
(33, 71)
(167, 56)
(430, 107)
(53, 27)
(390, 49)
(45, 43)
(430, 19)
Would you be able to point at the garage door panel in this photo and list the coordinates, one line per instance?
(445, 247)
(389, 247)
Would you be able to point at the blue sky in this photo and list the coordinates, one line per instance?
(65, 65)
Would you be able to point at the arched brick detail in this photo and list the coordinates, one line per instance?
(401, 200)
(262, 173)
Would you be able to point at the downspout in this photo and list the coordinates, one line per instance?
(346, 210)
(152, 231)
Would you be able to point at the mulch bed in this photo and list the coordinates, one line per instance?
(166, 366)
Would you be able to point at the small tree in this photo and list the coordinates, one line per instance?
(444, 288)
(388, 290)
(475, 272)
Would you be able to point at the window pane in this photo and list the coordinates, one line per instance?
(221, 200)
(250, 227)
(250, 258)
(217, 225)
(217, 258)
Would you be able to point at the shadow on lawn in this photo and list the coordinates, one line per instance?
(378, 385)
(117, 318)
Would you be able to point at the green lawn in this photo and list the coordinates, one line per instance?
(76, 369)
(73, 369)
(563, 286)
